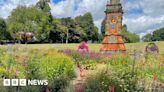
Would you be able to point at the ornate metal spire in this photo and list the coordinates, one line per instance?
(114, 1)
(113, 6)
(108, 1)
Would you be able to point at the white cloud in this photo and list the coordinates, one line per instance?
(6, 6)
(151, 19)
(72, 8)
(144, 24)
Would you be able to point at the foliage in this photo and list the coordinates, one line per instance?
(157, 35)
(128, 36)
(43, 5)
(73, 30)
(102, 81)
(127, 76)
(56, 65)
(151, 65)
(84, 56)
(89, 64)
(39, 21)
(23, 89)
(27, 63)
(86, 22)
(29, 19)
(4, 34)
(103, 26)
(147, 38)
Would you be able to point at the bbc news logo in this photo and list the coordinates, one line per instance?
(23, 82)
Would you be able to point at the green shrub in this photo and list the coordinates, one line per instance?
(54, 65)
(123, 79)
(100, 82)
(120, 60)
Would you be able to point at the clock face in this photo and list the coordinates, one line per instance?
(112, 39)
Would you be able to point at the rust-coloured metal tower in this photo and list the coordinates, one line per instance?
(113, 40)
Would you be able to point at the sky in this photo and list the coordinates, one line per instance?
(141, 16)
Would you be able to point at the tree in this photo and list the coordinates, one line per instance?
(86, 22)
(2, 29)
(158, 35)
(147, 38)
(4, 35)
(103, 26)
(128, 36)
(29, 19)
(58, 33)
(66, 29)
(44, 6)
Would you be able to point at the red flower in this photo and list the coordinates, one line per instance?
(155, 78)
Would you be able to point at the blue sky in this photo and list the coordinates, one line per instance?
(141, 16)
(56, 1)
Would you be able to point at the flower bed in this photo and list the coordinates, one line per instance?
(26, 63)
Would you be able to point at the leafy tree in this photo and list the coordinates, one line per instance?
(2, 29)
(70, 25)
(29, 19)
(58, 33)
(74, 31)
(86, 22)
(44, 6)
(103, 26)
(95, 36)
(158, 35)
(128, 36)
(66, 27)
(147, 38)
(4, 35)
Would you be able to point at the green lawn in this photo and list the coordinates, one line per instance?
(95, 47)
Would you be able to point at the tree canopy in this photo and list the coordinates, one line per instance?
(86, 22)
(157, 35)
(4, 34)
(128, 36)
(29, 19)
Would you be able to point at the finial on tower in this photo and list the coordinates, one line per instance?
(108, 1)
(113, 1)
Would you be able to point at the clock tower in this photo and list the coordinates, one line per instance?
(113, 40)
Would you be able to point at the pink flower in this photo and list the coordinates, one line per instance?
(48, 90)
